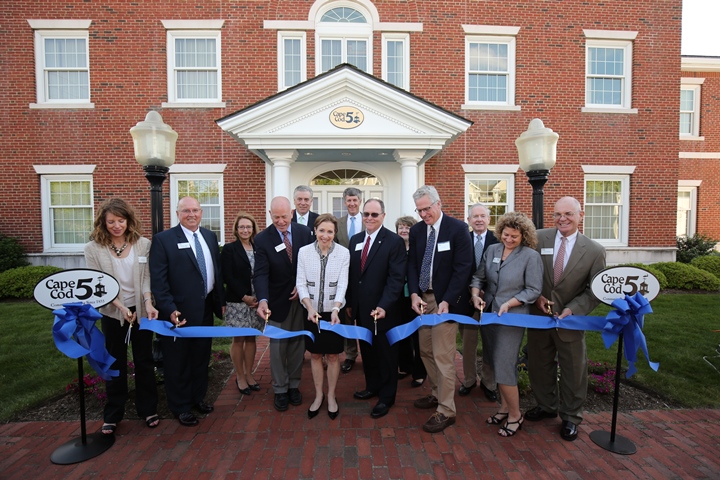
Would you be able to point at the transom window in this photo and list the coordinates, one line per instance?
(343, 14)
(343, 36)
(347, 177)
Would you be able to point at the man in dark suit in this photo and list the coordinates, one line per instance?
(188, 288)
(377, 278)
(303, 199)
(570, 261)
(439, 265)
(276, 250)
(482, 238)
(348, 225)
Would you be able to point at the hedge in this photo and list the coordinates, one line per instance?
(20, 282)
(709, 263)
(662, 279)
(687, 277)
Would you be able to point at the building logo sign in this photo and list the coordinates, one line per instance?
(346, 117)
(78, 285)
(616, 282)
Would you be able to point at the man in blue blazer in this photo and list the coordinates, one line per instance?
(439, 265)
(374, 287)
(276, 250)
(188, 288)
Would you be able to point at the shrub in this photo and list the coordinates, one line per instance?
(709, 263)
(695, 246)
(12, 254)
(662, 279)
(20, 282)
(687, 277)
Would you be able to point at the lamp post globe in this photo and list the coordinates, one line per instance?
(537, 151)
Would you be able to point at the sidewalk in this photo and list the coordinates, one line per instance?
(246, 438)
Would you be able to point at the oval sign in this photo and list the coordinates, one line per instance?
(346, 117)
(76, 285)
(616, 282)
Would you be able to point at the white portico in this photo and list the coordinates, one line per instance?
(342, 128)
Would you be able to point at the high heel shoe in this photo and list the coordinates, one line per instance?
(313, 413)
(244, 391)
(506, 432)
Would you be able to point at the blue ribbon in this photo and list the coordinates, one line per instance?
(76, 335)
(628, 318)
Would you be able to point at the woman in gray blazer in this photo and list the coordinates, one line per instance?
(509, 280)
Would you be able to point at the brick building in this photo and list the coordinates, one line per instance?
(385, 95)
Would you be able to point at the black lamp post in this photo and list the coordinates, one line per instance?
(154, 143)
(537, 151)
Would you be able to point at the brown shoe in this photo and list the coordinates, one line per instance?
(438, 422)
(426, 402)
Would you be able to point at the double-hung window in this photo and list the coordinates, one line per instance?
(207, 188)
(343, 35)
(494, 190)
(291, 59)
(608, 71)
(690, 108)
(396, 59)
(607, 200)
(687, 207)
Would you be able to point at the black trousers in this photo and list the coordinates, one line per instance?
(380, 365)
(409, 353)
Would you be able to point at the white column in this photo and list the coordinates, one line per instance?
(409, 161)
(281, 160)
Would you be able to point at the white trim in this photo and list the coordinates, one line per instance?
(173, 101)
(695, 112)
(626, 79)
(47, 230)
(479, 168)
(490, 30)
(689, 183)
(199, 174)
(699, 155)
(610, 34)
(691, 225)
(42, 94)
(198, 168)
(511, 42)
(700, 64)
(398, 27)
(64, 169)
(281, 36)
(70, 106)
(692, 138)
(692, 80)
(193, 24)
(633, 111)
(608, 169)
(475, 106)
(624, 217)
(59, 24)
(344, 32)
(359, 5)
(404, 38)
(192, 105)
(508, 178)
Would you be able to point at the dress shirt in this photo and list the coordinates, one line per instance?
(209, 267)
(571, 239)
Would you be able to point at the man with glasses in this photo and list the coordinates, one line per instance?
(570, 261)
(439, 265)
(377, 279)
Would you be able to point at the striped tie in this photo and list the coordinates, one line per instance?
(427, 261)
(559, 261)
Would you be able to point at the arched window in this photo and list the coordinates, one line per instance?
(344, 35)
(329, 187)
(346, 177)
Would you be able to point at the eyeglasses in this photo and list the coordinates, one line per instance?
(373, 214)
(425, 210)
(244, 227)
(188, 211)
(558, 216)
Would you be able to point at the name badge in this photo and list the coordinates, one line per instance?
(444, 247)
(496, 260)
(142, 259)
(546, 251)
(280, 248)
(359, 246)
(183, 245)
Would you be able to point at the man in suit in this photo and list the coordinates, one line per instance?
(482, 238)
(188, 288)
(439, 265)
(570, 261)
(276, 250)
(377, 279)
(349, 225)
(303, 199)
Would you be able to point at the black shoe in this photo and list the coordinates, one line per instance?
(313, 413)
(364, 395)
(203, 407)
(402, 375)
(380, 410)
(294, 396)
(244, 391)
(255, 387)
(187, 419)
(490, 394)
(347, 365)
(568, 431)
(333, 415)
(281, 402)
(537, 414)
(466, 390)
(417, 382)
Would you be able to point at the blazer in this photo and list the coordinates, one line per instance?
(99, 257)
(490, 239)
(275, 276)
(336, 277)
(177, 283)
(312, 216)
(342, 236)
(381, 283)
(451, 267)
(519, 276)
(237, 272)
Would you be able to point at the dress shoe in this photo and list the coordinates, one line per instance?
(254, 387)
(417, 382)
(281, 402)
(294, 396)
(187, 419)
(347, 365)
(333, 415)
(244, 391)
(438, 422)
(203, 407)
(537, 413)
(402, 375)
(364, 395)
(426, 402)
(380, 410)
(466, 390)
(313, 413)
(568, 431)
(490, 394)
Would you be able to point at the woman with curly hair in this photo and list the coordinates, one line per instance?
(510, 278)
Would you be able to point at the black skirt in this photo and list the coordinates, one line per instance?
(326, 342)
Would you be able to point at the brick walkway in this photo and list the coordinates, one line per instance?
(246, 438)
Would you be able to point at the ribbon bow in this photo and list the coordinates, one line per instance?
(76, 335)
(628, 319)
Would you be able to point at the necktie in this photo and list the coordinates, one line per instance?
(201, 262)
(427, 261)
(288, 246)
(301, 220)
(363, 257)
(559, 261)
(352, 227)
(478, 251)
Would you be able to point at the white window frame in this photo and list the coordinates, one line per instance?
(694, 85)
(624, 216)
(618, 40)
(509, 178)
(201, 172)
(45, 29)
(177, 29)
(290, 35)
(404, 38)
(343, 31)
(510, 97)
(48, 176)
(690, 186)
